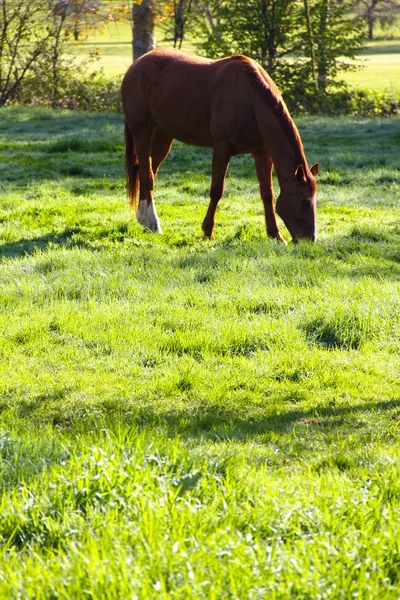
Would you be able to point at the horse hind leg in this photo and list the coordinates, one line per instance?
(151, 154)
(160, 147)
(220, 163)
(146, 213)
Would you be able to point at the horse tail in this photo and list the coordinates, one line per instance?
(131, 168)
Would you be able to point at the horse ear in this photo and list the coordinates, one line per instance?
(299, 173)
(314, 169)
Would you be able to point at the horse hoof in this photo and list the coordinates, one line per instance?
(278, 238)
(208, 234)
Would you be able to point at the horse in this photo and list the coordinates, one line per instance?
(230, 105)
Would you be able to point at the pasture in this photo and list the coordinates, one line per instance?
(379, 68)
(379, 63)
(183, 418)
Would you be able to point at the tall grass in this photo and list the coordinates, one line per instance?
(183, 418)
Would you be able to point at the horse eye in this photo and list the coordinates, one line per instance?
(306, 204)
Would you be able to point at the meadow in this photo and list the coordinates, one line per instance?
(378, 66)
(186, 418)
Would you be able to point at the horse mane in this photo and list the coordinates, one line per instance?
(272, 96)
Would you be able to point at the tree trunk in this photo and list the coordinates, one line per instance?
(371, 15)
(181, 12)
(311, 44)
(144, 16)
(322, 60)
(371, 22)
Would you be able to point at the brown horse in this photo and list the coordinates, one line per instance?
(230, 105)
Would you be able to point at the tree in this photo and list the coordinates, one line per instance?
(310, 36)
(34, 37)
(143, 16)
(172, 15)
(303, 44)
(338, 40)
(77, 15)
(181, 12)
(206, 11)
(385, 11)
(264, 30)
(27, 34)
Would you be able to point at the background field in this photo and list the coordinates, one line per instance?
(184, 418)
(379, 63)
(380, 67)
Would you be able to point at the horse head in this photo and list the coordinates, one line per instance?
(296, 204)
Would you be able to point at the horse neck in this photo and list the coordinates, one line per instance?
(282, 141)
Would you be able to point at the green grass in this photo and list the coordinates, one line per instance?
(380, 68)
(183, 418)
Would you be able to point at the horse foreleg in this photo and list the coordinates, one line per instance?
(220, 162)
(264, 175)
(146, 214)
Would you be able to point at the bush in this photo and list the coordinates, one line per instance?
(358, 102)
(89, 92)
(95, 92)
(370, 103)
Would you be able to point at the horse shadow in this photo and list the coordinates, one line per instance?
(213, 425)
(220, 424)
(29, 246)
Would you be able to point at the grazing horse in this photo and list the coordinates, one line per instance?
(230, 105)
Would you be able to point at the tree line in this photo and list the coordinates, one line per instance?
(304, 44)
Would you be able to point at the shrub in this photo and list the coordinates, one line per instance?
(89, 92)
(359, 102)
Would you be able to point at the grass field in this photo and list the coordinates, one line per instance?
(379, 63)
(380, 68)
(183, 418)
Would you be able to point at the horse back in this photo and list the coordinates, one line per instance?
(197, 101)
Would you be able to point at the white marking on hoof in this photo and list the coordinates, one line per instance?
(141, 214)
(153, 220)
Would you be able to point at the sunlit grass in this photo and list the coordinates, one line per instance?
(183, 418)
(380, 68)
(117, 513)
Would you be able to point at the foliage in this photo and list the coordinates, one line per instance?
(385, 12)
(338, 40)
(24, 37)
(266, 31)
(285, 36)
(84, 16)
(33, 39)
(305, 56)
(365, 102)
(188, 418)
(77, 90)
(358, 101)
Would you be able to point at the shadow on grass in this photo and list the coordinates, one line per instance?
(31, 124)
(220, 424)
(327, 436)
(212, 423)
(27, 247)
